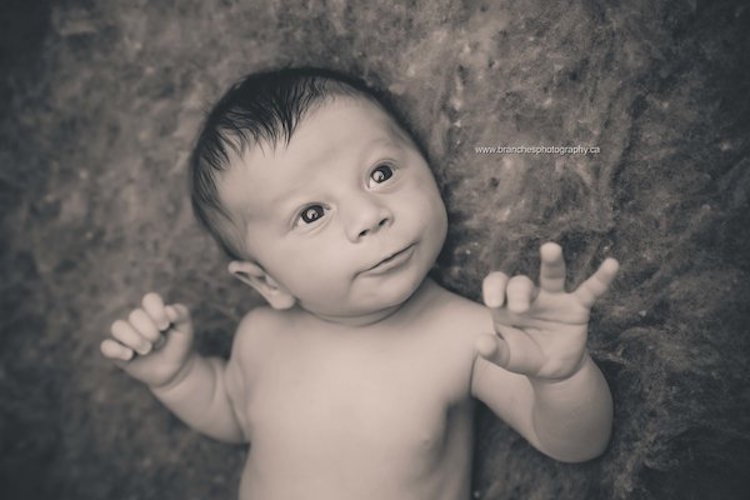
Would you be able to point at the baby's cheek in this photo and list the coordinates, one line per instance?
(431, 214)
(322, 277)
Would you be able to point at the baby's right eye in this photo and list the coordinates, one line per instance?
(311, 214)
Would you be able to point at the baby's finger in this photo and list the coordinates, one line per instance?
(493, 349)
(154, 306)
(521, 292)
(493, 289)
(594, 287)
(144, 325)
(129, 337)
(114, 350)
(552, 269)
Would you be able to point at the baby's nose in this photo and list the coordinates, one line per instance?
(382, 222)
(367, 218)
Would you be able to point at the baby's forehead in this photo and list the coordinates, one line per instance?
(337, 124)
(361, 109)
(344, 126)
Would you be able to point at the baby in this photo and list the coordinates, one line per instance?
(358, 380)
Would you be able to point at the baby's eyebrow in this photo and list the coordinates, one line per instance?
(283, 201)
(386, 140)
(377, 143)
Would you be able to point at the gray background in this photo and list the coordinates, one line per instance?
(100, 104)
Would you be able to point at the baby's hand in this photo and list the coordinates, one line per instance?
(541, 332)
(154, 343)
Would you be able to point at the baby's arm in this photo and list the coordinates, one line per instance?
(536, 373)
(192, 386)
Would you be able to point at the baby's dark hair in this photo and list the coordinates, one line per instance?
(263, 108)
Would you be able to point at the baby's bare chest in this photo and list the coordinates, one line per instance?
(396, 403)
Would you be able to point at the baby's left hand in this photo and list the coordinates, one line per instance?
(541, 331)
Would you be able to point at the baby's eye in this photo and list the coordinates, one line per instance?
(311, 214)
(382, 173)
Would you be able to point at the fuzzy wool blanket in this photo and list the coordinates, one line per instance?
(100, 105)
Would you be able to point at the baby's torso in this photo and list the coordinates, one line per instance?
(368, 417)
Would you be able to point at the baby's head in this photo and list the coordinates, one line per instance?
(319, 194)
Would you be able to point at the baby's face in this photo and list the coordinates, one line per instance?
(347, 218)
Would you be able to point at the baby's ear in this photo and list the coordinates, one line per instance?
(255, 276)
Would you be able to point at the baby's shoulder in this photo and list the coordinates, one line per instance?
(258, 330)
(456, 321)
(455, 311)
(452, 324)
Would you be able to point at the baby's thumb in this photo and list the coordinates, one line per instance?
(179, 316)
(493, 349)
(179, 337)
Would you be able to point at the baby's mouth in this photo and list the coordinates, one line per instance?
(393, 260)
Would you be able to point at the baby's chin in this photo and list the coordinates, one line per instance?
(377, 304)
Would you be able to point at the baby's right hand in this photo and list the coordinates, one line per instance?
(155, 342)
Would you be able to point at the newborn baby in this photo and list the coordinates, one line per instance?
(358, 379)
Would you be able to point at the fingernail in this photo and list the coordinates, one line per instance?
(492, 299)
(144, 349)
(171, 312)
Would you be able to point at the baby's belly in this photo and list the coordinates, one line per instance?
(386, 453)
(360, 476)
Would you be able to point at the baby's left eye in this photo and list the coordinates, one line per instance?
(382, 173)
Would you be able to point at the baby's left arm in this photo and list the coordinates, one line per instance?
(535, 372)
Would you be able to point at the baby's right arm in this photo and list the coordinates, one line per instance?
(192, 386)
